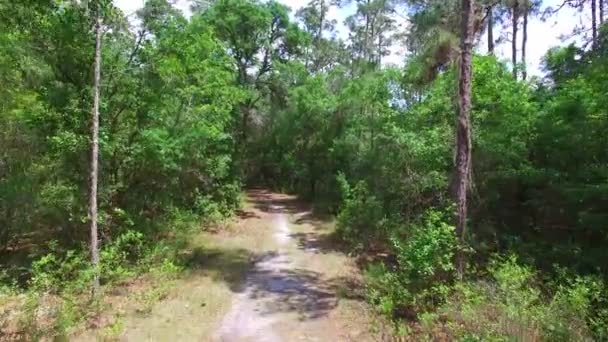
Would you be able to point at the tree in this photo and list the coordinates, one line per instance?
(321, 51)
(490, 29)
(581, 6)
(372, 31)
(463, 128)
(528, 8)
(314, 17)
(524, 40)
(259, 36)
(515, 13)
(94, 171)
(494, 12)
(433, 37)
(594, 23)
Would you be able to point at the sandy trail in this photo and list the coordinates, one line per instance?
(290, 293)
(249, 318)
(276, 275)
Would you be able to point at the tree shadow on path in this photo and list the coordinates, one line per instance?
(267, 279)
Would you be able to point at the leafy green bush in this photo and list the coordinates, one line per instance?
(573, 312)
(513, 306)
(361, 219)
(8, 285)
(118, 258)
(55, 272)
(424, 268)
(54, 301)
(425, 258)
(385, 289)
(58, 298)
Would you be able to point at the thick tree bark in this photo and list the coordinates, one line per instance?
(524, 42)
(594, 23)
(491, 29)
(94, 158)
(463, 129)
(515, 19)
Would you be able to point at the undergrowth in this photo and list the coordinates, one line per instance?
(504, 300)
(57, 299)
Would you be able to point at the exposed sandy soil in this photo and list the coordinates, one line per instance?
(276, 275)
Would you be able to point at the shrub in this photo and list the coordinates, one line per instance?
(571, 310)
(8, 284)
(385, 290)
(361, 219)
(54, 302)
(58, 298)
(421, 276)
(118, 258)
(54, 272)
(511, 305)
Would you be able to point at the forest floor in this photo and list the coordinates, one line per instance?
(276, 274)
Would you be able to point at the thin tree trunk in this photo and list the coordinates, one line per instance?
(246, 110)
(370, 56)
(366, 48)
(379, 51)
(491, 30)
(94, 158)
(601, 3)
(515, 19)
(594, 23)
(524, 41)
(321, 20)
(463, 129)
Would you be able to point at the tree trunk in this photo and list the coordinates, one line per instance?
(491, 30)
(593, 24)
(366, 39)
(321, 20)
(95, 158)
(246, 110)
(379, 51)
(463, 129)
(371, 42)
(601, 5)
(524, 41)
(515, 19)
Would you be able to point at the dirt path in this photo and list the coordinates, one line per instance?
(290, 294)
(274, 276)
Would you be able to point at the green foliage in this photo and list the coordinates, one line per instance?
(420, 278)
(55, 273)
(361, 218)
(165, 142)
(193, 108)
(58, 299)
(512, 305)
(54, 302)
(522, 173)
(386, 291)
(429, 248)
(70, 272)
(117, 258)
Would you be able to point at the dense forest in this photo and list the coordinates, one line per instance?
(476, 190)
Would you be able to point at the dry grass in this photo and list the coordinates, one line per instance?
(189, 307)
